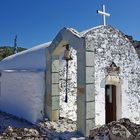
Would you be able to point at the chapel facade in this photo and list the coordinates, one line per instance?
(103, 79)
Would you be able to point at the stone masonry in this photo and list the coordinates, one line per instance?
(105, 45)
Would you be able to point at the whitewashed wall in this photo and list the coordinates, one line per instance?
(110, 45)
(28, 87)
(33, 58)
(22, 94)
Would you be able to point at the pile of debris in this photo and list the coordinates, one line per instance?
(21, 133)
(122, 129)
(61, 129)
(45, 130)
(62, 125)
(13, 128)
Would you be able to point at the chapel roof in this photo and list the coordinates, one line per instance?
(35, 48)
(80, 34)
(90, 29)
(129, 38)
(108, 27)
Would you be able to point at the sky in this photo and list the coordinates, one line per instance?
(38, 21)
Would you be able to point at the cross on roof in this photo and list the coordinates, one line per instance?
(104, 14)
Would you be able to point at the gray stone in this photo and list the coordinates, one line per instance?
(89, 43)
(55, 66)
(90, 59)
(90, 89)
(55, 78)
(89, 124)
(55, 102)
(90, 110)
(90, 75)
(55, 89)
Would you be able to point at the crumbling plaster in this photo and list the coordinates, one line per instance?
(111, 45)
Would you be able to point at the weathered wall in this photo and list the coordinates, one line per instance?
(22, 94)
(69, 110)
(111, 45)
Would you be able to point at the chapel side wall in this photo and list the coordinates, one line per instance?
(111, 46)
(22, 94)
(36, 60)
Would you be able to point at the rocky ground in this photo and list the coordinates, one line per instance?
(122, 129)
(12, 128)
(21, 134)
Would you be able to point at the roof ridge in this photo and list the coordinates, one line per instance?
(44, 45)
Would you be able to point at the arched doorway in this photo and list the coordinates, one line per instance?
(113, 93)
(85, 80)
(110, 103)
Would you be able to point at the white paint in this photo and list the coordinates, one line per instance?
(25, 90)
(22, 94)
(104, 14)
(34, 58)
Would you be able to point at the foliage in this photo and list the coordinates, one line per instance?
(6, 51)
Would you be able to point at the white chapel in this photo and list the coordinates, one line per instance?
(101, 81)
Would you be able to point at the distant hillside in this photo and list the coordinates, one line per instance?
(7, 51)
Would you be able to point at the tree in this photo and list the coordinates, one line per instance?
(6, 51)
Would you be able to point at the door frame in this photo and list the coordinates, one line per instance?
(113, 109)
(116, 81)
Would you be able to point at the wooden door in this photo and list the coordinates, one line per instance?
(110, 103)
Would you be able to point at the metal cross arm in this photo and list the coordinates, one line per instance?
(104, 14)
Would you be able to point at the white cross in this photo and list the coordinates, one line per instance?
(104, 14)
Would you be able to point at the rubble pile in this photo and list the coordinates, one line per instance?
(42, 131)
(21, 133)
(65, 129)
(61, 125)
(122, 129)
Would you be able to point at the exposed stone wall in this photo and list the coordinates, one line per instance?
(135, 43)
(110, 45)
(69, 110)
